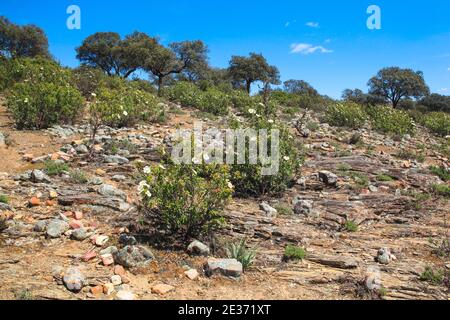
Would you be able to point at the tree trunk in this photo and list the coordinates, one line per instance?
(160, 83)
(248, 86)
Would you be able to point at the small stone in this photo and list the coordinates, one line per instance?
(119, 270)
(56, 228)
(109, 191)
(89, 256)
(328, 178)
(78, 215)
(74, 280)
(75, 224)
(107, 259)
(226, 267)
(125, 295)
(125, 279)
(118, 178)
(53, 194)
(373, 189)
(272, 212)
(133, 256)
(80, 234)
(39, 176)
(115, 159)
(82, 149)
(198, 248)
(101, 240)
(191, 274)
(127, 240)
(40, 226)
(384, 256)
(116, 280)
(109, 250)
(97, 290)
(34, 202)
(108, 288)
(304, 207)
(162, 289)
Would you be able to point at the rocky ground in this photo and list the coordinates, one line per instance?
(79, 235)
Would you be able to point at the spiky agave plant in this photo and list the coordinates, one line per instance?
(240, 252)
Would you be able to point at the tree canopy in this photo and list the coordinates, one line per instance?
(395, 84)
(299, 87)
(22, 41)
(247, 70)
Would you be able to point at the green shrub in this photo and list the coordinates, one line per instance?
(4, 199)
(53, 168)
(432, 276)
(438, 123)
(441, 190)
(248, 179)
(346, 114)
(43, 104)
(350, 226)
(389, 120)
(441, 173)
(88, 80)
(189, 95)
(284, 209)
(78, 176)
(294, 253)
(187, 199)
(242, 101)
(239, 252)
(125, 106)
(384, 178)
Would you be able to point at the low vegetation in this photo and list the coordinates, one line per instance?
(240, 252)
(294, 253)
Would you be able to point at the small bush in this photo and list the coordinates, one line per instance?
(53, 168)
(347, 114)
(24, 294)
(405, 154)
(284, 209)
(189, 95)
(187, 199)
(239, 252)
(384, 178)
(294, 253)
(43, 104)
(78, 176)
(242, 101)
(441, 190)
(350, 226)
(126, 106)
(88, 80)
(438, 123)
(441, 247)
(4, 199)
(248, 178)
(389, 120)
(432, 276)
(361, 180)
(441, 173)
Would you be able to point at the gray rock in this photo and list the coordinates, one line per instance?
(96, 181)
(41, 226)
(339, 262)
(5, 206)
(115, 159)
(109, 250)
(56, 228)
(226, 267)
(133, 256)
(328, 178)
(2, 140)
(373, 189)
(127, 240)
(304, 207)
(74, 280)
(125, 295)
(39, 176)
(80, 234)
(118, 177)
(384, 256)
(109, 191)
(198, 248)
(67, 148)
(82, 149)
(268, 209)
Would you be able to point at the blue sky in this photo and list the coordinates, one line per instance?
(336, 50)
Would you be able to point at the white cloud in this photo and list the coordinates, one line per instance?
(448, 69)
(313, 24)
(443, 90)
(327, 40)
(306, 48)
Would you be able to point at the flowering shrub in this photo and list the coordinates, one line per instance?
(88, 80)
(346, 114)
(390, 120)
(126, 106)
(40, 105)
(248, 179)
(438, 123)
(186, 198)
(242, 101)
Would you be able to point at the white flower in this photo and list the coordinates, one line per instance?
(125, 113)
(26, 100)
(143, 186)
(148, 194)
(93, 94)
(270, 121)
(251, 111)
(286, 158)
(162, 167)
(230, 185)
(147, 170)
(261, 104)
